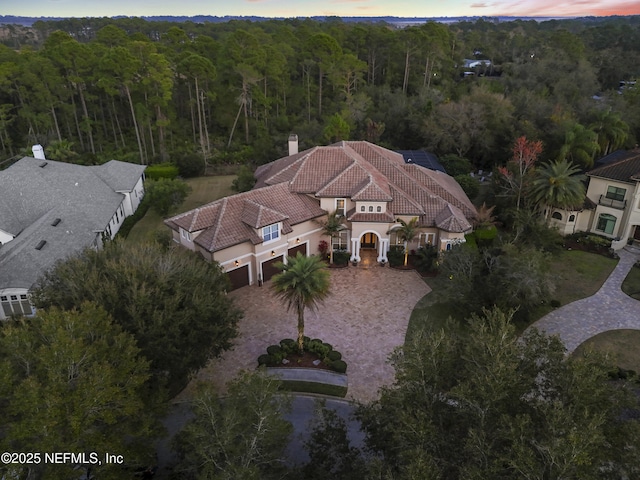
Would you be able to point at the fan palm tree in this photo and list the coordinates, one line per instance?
(407, 233)
(303, 283)
(558, 184)
(331, 227)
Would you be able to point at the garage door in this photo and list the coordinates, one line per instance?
(300, 248)
(269, 269)
(239, 277)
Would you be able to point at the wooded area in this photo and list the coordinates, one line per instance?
(90, 90)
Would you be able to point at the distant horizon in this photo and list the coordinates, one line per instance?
(312, 8)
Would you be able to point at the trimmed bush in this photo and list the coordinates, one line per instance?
(274, 349)
(339, 366)
(334, 355)
(555, 303)
(266, 360)
(131, 220)
(161, 170)
(396, 256)
(289, 345)
(341, 257)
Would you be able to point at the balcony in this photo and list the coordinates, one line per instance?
(610, 202)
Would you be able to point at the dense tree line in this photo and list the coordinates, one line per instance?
(96, 89)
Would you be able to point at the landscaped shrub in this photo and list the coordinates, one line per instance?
(555, 303)
(339, 366)
(161, 170)
(323, 248)
(131, 220)
(485, 236)
(289, 345)
(334, 355)
(341, 257)
(289, 348)
(396, 256)
(426, 258)
(265, 360)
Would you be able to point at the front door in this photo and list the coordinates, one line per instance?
(369, 240)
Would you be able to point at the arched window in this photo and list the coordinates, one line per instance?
(556, 215)
(572, 218)
(606, 223)
(371, 208)
(379, 209)
(362, 208)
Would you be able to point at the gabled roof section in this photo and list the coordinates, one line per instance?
(258, 216)
(619, 166)
(235, 219)
(120, 176)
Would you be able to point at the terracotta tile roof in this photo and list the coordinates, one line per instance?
(354, 216)
(624, 168)
(361, 171)
(222, 223)
(451, 219)
(258, 216)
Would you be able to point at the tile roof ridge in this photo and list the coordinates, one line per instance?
(303, 159)
(223, 207)
(335, 179)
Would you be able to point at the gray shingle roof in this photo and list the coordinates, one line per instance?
(34, 195)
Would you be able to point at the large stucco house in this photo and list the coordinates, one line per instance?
(370, 186)
(51, 210)
(612, 206)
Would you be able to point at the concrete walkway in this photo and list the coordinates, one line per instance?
(608, 309)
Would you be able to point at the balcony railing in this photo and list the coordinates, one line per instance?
(610, 202)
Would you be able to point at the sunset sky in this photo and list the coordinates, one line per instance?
(295, 8)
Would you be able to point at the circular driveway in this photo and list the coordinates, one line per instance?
(364, 318)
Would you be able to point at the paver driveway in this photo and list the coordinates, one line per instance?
(364, 318)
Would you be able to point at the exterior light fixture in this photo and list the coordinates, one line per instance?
(297, 240)
(236, 263)
(273, 253)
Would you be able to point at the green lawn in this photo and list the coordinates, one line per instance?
(622, 344)
(204, 190)
(577, 274)
(631, 284)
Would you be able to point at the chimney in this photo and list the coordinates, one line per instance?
(38, 152)
(293, 144)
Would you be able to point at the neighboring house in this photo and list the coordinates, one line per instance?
(370, 186)
(51, 210)
(612, 206)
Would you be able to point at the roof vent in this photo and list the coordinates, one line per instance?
(41, 244)
(43, 164)
(56, 222)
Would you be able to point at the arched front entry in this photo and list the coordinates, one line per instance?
(372, 241)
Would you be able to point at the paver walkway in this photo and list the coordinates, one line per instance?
(608, 309)
(364, 318)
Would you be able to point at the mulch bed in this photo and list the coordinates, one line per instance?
(302, 361)
(583, 247)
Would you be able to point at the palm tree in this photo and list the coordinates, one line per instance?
(580, 145)
(611, 131)
(331, 227)
(557, 184)
(303, 283)
(407, 233)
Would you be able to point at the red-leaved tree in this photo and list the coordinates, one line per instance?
(518, 170)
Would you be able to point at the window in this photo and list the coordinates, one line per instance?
(615, 193)
(606, 223)
(378, 209)
(572, 218)
(341, 240)
(426, 239)
(16, 305)
(370, 209)
(556, 215)
(394, 238)
(270, 232)
(362, 208)
(340, 206)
